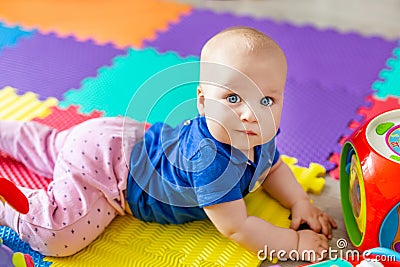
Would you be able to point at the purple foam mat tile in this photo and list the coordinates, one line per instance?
(314, 119)
(50, 66)
(328, 56)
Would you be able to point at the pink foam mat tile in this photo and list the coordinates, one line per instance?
(377, 107)
(19, 174)
(62, 119)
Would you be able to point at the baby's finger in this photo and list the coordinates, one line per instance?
(314, 224)
(326, 225)
(332, 222)
(323, 243)
(295, 223)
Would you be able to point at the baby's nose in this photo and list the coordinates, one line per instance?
(247, 114)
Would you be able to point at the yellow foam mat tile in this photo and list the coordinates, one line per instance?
(311, 178)
(130, 242)
(23, 107)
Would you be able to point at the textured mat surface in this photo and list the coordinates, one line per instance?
(311, 123)
(389, 83)
(130, 242)
(50, 66)
(12, 241)
(326, 56)
(375, 107)
(113, 88)
(321, 60)
(123, 22)
(23, 107)
(62, 119)
(10, 36)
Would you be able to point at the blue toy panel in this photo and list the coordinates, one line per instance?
(389, 236)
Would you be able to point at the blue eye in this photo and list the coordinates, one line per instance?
(266, 101)
(233, 99)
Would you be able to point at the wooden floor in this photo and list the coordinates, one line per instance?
(367, 17)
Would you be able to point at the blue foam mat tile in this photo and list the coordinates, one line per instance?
(10, 36)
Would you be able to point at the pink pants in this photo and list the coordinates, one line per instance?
(89, 167)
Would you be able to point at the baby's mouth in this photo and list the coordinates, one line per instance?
(248, 132)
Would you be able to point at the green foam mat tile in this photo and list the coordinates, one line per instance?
(148, 76)
(389, 85)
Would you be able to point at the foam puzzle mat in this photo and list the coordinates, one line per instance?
(312, 55)
(10, 36)
(23, 107)
(389, 82)
(66, 62)
(146, 243)
(50, 66)
(126, 75)
(121, 22)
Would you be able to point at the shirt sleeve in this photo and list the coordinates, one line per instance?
(276, 156)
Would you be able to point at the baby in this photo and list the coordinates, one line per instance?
(201, 169)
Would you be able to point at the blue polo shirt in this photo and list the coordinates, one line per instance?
(175, 172)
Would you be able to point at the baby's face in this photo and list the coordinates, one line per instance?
(243, 108)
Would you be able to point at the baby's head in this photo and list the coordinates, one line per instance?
(242, 78)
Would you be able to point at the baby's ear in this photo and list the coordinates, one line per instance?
(200, 100)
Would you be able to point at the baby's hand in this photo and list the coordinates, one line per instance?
(312, 246)
(305, 212)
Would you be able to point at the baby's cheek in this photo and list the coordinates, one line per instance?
(268, 135)
(218, 130)
(268, 122)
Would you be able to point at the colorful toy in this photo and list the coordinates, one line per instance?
(10, 259)
(369, 173)
(15, 198)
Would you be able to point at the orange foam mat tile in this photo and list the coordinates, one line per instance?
(122, 22)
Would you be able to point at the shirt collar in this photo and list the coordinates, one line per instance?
(200, 136)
